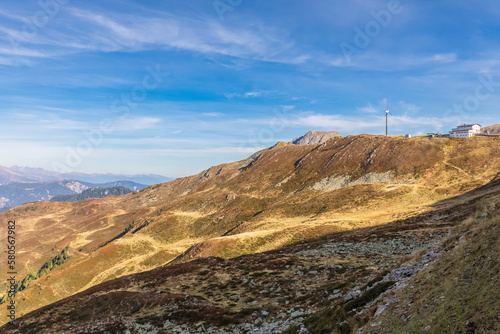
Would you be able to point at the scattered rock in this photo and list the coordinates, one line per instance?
(351, 295)
(340, 181)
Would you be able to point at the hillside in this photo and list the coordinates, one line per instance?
(491, 130)
(278, 197)
(92, 193)
(434, 272)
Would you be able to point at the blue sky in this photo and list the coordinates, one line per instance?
(174, 87)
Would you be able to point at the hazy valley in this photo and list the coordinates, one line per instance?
(16, 193)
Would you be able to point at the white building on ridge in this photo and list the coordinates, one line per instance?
(465, 131)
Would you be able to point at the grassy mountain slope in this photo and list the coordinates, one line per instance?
(336, 283)
(459, 292)
(491, 130)
(277, 197)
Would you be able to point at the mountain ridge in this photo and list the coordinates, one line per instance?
(36, 174)
(97, 192)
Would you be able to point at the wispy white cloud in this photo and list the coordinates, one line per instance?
(209, 150)
(108, 31)
(34, 153)
(252, 94)
(11, 61)
(402, 107)
(408, 108)
(404, 116)
(442, 58)
(34, 123)
(136, 123)
(65, 110)
(114, 32)
(213, 114)
(340, 123)
(368, 109)
(373, 60)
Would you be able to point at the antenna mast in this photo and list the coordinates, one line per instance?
(387, 112)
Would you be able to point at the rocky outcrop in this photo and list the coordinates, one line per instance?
(315, 137)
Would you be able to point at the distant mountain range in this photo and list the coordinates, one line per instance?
(29, 174)
(92, 193)
(16, 193)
